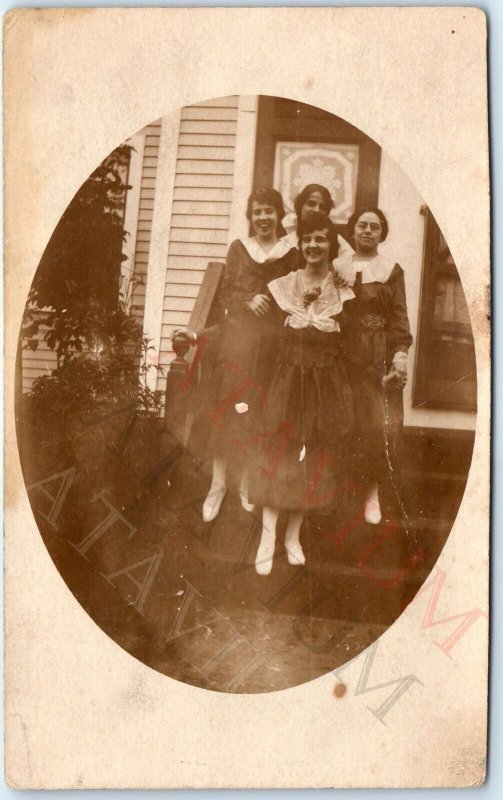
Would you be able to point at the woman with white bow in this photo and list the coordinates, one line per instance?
(299, 462)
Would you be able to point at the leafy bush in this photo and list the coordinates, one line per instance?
(102, 355)
(78, 278)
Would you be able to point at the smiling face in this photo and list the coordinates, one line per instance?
(316, 248)
(264, 219)
(368, 233)
(315, 203)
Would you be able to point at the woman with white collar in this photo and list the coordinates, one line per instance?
(237, 363)
(378, 340)
(307, 418)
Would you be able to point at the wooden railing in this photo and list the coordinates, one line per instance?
(207, 311)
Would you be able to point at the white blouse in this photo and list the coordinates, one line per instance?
(252, 246)
(373, 270)
(289, 292)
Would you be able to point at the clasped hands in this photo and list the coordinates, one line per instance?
(258, 305)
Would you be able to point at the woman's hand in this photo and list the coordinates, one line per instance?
(396, 377)
(339, 282)
(184, 335)
(259, 305)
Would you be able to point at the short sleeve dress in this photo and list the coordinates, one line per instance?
(237, 359)
(378, 329)
(300, 447)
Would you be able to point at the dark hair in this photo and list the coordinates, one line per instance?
(319, 222)
(367, 210)
(309, 190)
(267, 196)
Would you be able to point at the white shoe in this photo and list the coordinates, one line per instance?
(246, 505)
(211, 505)
(265, 555)
(295, 554)
(372, 511)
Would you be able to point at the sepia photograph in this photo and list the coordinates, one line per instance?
(246, 393)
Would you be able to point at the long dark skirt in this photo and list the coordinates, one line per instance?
(234, 372)
(378, 408)
(299, 454)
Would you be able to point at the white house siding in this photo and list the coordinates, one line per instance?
(37, 363)
(203, 222)
(201, 208)
(151, 135)
(401, 203)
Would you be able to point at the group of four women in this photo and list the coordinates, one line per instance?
(300, 386)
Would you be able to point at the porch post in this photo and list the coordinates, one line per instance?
(159, 240)
(244, 159)
(131, 214)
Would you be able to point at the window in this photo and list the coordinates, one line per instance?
(445, 375)
(332, 165)
(299, 144)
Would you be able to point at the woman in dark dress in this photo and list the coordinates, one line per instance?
(299, 459)
(237, 361)
(377, 342)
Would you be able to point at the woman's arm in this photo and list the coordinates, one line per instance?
(235, 292)
(397, 326)
(398, 331)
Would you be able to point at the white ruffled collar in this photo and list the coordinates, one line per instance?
(254, 250)
(375, 270)
(289, 291)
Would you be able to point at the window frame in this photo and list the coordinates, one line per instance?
(421, 393)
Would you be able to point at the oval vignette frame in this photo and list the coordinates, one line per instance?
(117, 498)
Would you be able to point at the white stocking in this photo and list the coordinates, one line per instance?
(372, 508)
(216, 494)
(243, 492)
(218, 475)
(265, 552)
(293, 548)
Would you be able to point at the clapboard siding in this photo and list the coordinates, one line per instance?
(37, 363)
(209, 194)
(201, 209)
(210, 139)
(177, 303)
(205, 152)
(188, 275)
(202, 181)
(145, 212)
(176, 318)
(203, 222)
(201, 167)
(201, 249)
(185, 290)
(203, 234)
(207, 126)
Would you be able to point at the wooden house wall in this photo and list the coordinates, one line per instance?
(201, 210)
